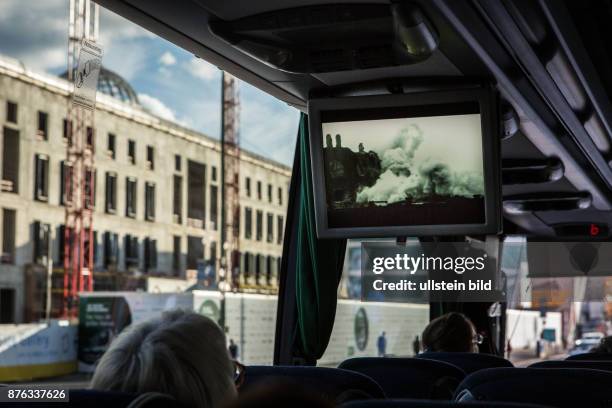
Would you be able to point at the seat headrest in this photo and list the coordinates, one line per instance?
(559, 387)
(591, 356)
(333, 384)
(409, 377)
(468, 362)
(98, 399)
(406, 403)
(595, 365)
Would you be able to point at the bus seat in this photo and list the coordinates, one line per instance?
(409, 377)
(591, 356)
(79, 398)
(557, 387)
(595, 365)
(407, 403)
(468, 362)
(333, 384)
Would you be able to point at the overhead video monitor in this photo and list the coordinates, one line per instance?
(406, 165)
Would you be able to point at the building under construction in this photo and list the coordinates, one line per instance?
(156, 197)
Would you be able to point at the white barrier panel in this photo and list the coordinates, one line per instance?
(168, 285)
(37, 351)
(251, 324)
(250, 321)
(103, 315)
(358, 326)
(524, 327)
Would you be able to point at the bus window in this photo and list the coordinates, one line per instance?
(371, 328)
(556, 302)
(168, 223)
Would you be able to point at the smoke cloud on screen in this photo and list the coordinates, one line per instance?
(399, 158)
(402, 177)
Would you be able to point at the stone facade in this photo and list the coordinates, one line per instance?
(173, 149)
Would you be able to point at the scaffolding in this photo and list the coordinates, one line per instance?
(78, 168)
(230, 180)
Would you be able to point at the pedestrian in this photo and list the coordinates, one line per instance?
(233, 350)
(416, 345)
(382, 345)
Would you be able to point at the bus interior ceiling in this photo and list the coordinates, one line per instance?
(556, 114)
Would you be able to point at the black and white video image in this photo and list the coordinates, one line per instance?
(406, 171)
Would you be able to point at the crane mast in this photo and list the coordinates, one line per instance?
(78, 168)
(230, 180)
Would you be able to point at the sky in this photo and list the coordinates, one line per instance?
(169, 81)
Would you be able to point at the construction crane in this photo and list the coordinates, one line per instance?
(78, 170)
(230, 180)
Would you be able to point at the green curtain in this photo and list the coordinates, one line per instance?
(318, 267)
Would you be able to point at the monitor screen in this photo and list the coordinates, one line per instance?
(402, 166)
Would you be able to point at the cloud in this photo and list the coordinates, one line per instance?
(36, 33)
(267, 127)
(127, 47)
(114, 28)
(167, 59)
(199, 68)
(156, 107)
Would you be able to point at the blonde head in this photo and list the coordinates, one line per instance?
(180, 353)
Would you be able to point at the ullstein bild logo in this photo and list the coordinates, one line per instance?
(420, 272)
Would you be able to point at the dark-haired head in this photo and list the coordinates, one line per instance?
(450, 332)
(604, 346)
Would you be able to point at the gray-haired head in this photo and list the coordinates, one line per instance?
(182, 354)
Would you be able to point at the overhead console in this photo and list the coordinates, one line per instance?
(364, 36)
(414, 164)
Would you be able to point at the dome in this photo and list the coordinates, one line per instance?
(113, 85)
(109, 83)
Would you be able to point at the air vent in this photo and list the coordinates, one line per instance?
(330, 60)
(530, 171)
(373, 57)
(547, 201)
(331, 38)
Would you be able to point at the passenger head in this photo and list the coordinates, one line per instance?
(450, 332)
(328, 141)
(182, 354)
(604, 346)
